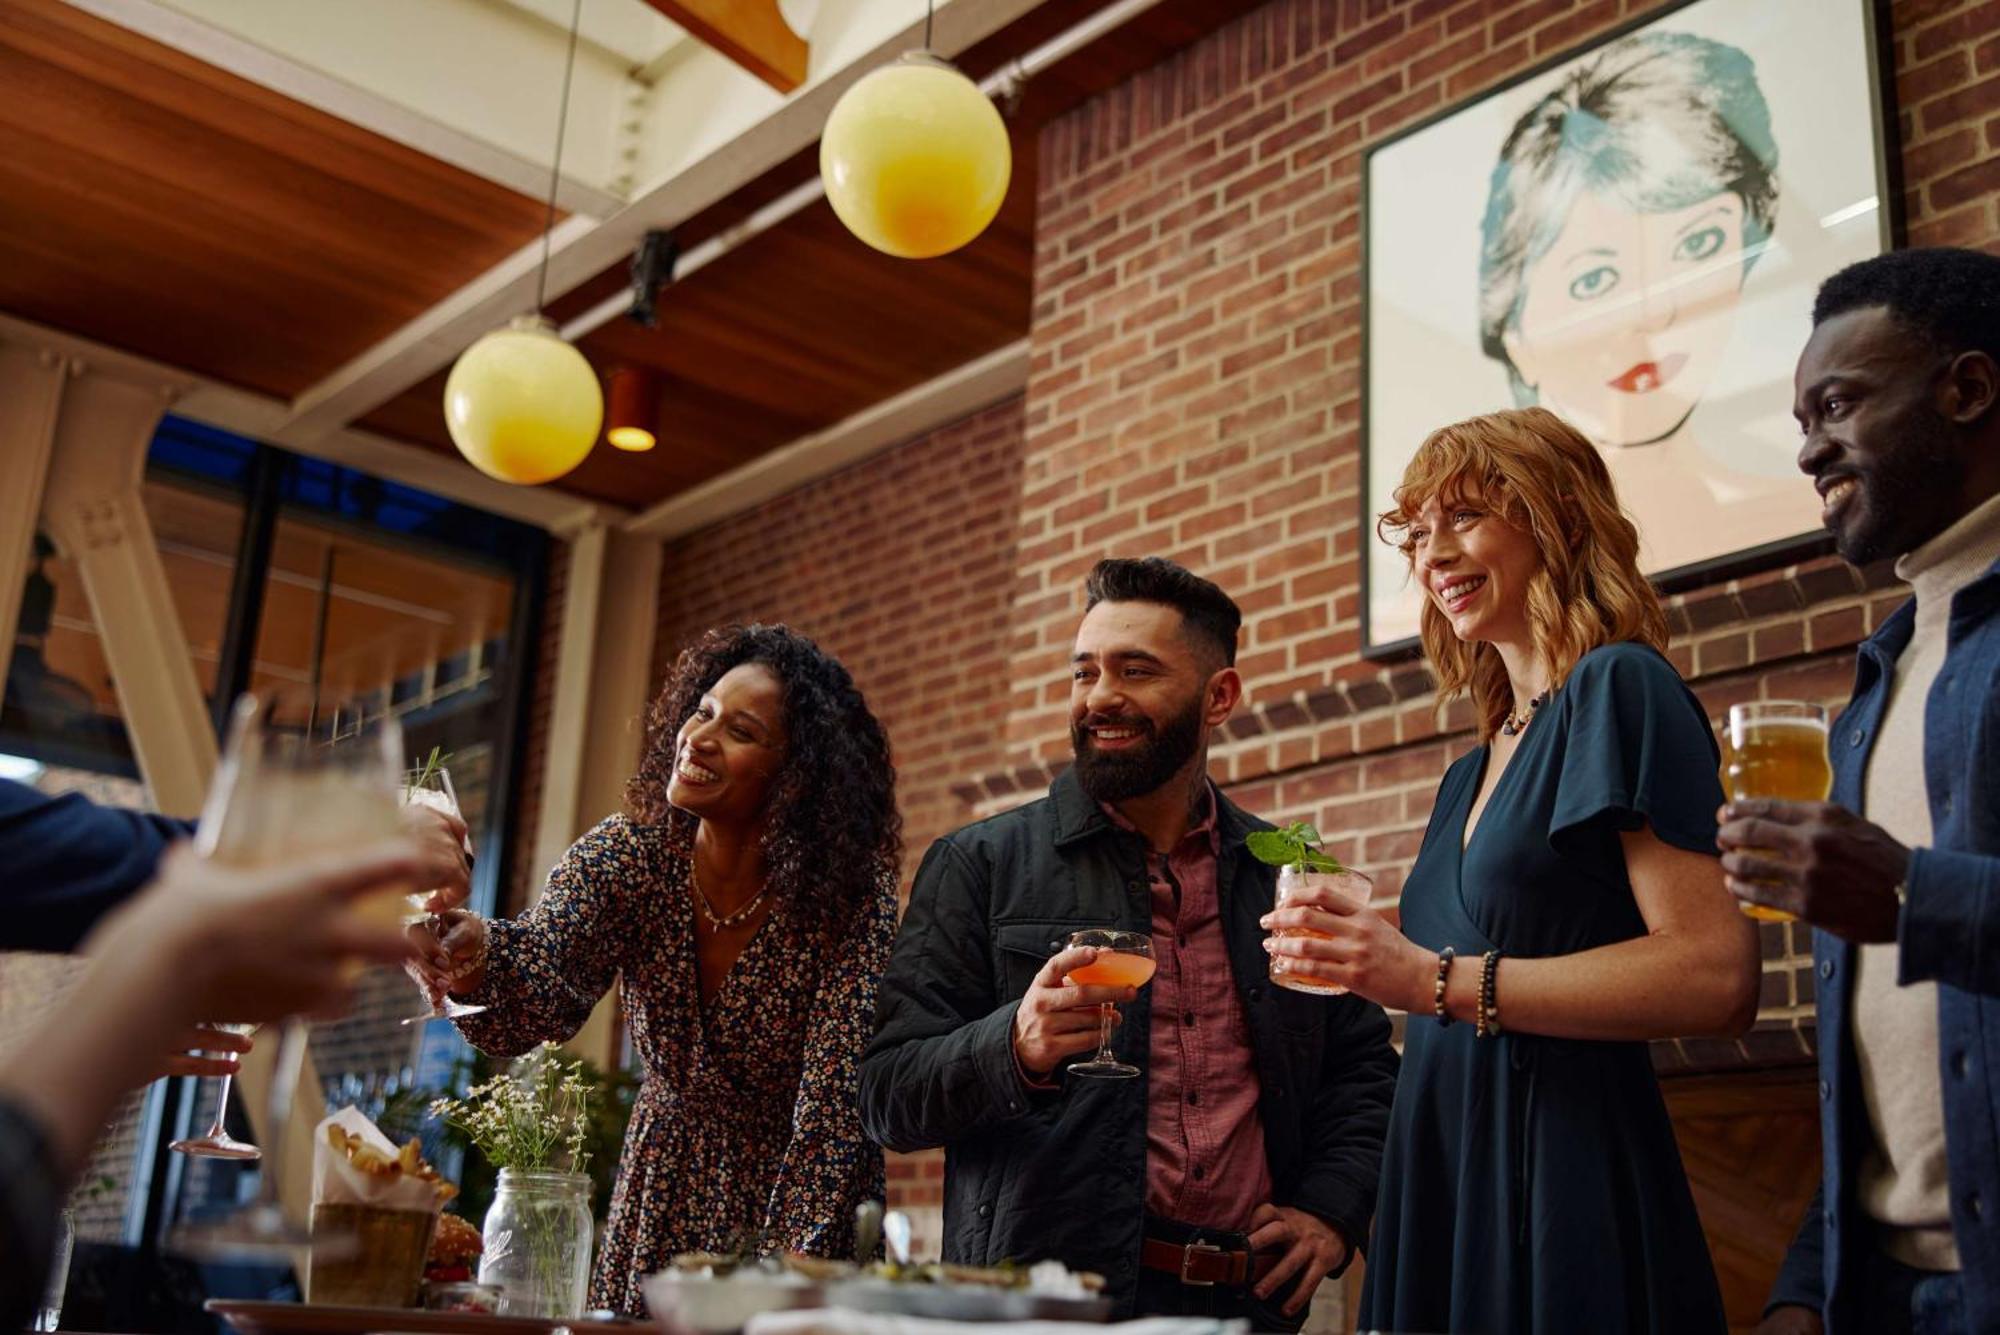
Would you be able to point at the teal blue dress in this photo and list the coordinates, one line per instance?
(1532, 1184)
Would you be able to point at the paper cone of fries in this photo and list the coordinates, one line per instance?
(385, 1199)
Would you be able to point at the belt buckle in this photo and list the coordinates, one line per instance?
(1188, 1251)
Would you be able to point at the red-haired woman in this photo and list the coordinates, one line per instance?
(1566, 906)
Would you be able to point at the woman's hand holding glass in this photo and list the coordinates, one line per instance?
(449, 953)
(1352, 946)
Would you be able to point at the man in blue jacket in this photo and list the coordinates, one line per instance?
(1898, 392)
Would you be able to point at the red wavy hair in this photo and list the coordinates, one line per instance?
(1538, 473)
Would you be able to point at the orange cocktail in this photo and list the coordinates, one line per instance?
(1113, 969)
(1124, 959)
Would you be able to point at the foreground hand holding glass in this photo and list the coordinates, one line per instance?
(1776, 748)
(1124, 959)
(216, 1142)
(289, 786)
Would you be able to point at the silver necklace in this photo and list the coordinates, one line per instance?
(721, 920)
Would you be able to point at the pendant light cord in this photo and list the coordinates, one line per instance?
(930, 8)
(555, 168)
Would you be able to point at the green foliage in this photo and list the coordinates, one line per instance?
(535, 1116)
(1296, 845)
(607, 1114)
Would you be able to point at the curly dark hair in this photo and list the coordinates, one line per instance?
(833, 820)
(1949, 296)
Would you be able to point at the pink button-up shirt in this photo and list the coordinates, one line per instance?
(1204, 1135)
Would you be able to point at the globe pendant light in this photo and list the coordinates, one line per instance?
(914, 158)
(521, 404)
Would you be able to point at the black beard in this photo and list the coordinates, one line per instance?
(1144, 768)
(1907, 494)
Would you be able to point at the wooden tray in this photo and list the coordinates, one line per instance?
(268, 1318)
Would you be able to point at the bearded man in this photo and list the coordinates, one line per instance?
(1239, 1169)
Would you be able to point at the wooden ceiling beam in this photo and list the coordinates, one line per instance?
(750, 32)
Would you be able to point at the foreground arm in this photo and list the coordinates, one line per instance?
(207, 942)
(541, 974)
(1694, 972)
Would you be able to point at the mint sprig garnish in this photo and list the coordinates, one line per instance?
(1296, 845)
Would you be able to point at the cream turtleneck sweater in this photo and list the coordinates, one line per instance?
(1903, 1182)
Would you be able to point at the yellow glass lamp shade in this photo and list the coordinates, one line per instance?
(915, 158)
(523, 405)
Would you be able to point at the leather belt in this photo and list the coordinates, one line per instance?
(1204, 1264)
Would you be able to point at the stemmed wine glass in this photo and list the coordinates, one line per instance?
(1125, 959)
(430, 785)
(292, 784)
(216, 1142)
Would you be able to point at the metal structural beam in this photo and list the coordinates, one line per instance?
(750, 32)
(91, 506)
(31, 383)
(259, 417)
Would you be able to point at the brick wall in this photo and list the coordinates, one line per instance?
(901, 567)
(1194, 392)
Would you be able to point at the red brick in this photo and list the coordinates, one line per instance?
(1972, 102)
(1979, 181)
(1918, 85)
(1968, 25)
(1926, 160)
(1487, 70)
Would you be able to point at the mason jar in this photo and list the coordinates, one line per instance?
(1351, 885)
(538, 1236)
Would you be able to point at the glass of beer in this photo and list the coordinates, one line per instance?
(1124, 959)
(1776, 748)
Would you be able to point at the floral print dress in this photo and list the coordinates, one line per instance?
(746, 1118)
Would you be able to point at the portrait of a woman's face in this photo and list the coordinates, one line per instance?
(1625, 317)
(1629, 236)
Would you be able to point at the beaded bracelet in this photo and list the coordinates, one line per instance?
(1488, 1020)
(1445, 957)
(460, 972)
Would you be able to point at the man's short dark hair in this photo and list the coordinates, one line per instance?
(1947, 295)
(1209, 615)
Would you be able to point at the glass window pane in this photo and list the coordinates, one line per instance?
(60, 707)
(355, 611)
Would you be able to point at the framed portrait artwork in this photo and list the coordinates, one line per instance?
(1630, 236)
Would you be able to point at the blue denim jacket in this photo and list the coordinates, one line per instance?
(1948, 933)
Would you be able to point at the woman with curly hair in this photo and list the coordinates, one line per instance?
(747, 897)
(1566, 906)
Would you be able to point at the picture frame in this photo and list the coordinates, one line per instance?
(1631, 234)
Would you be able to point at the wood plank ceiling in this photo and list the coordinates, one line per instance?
(155, 203)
